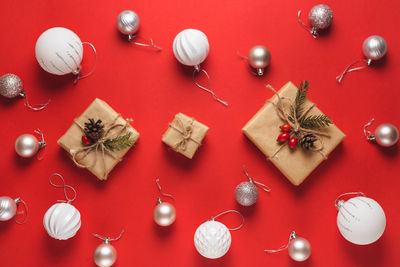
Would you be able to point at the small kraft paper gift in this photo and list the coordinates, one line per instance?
(293, 133)
(98, 139)
(184, 135)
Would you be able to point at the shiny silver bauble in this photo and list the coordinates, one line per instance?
(259, 58)
(8, 208)
(246, 193)
(299, 249)
(105, 255)
(10, 85)
(374, 47)
(27, 145)
(128, 23)
(164, 214)
(386, 135)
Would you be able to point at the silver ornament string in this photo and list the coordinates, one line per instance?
(64, 186)
(367, 133)
(161, 192)
(131, 37)
(107, 239)
(78, 75)
(283, 247)
(348, 69)
(35, 107)
(197, 69)
(246, 58)
(260, 185)
(313, 30)
(230, 211)
(339, 202)
(42, 144)
(17, 201)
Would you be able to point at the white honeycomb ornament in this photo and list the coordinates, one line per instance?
(212, 239)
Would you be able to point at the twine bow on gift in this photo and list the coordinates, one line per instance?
(287, 113)
(100, 145)
(185, 130)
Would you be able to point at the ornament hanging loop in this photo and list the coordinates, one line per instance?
(42, 144)
(64, 186)
(368, 134)
(339, 202)
(259, 72)
(151, 44)
(283, 247)
(107, 239)
(159, 201)
(78, 73)
(313, 30)
(251, 180)
(17, 201)
(35, 107)
(197, 69)
(230, 211)
(348, 69)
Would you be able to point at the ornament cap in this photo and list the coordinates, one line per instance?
(293, 235)
(197, 68)
(159, 201)
(260, 72)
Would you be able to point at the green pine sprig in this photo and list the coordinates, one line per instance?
(301, 98)
(119, 142)
(315, 121)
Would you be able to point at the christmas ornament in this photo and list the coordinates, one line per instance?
(320, 18)
(191, 49)
(11, 86)
(212, 239)
(246, 193)
(297, 125)
(59, 51)
(8, 209)
(385, 135)
(164, 213)
(62, 220)
(361, 220)
(374, 48)
(27, 145)
(258, 58)
(105, 254)
(299, 248)
(128, 23)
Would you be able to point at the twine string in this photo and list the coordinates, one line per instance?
(198, 70)
(230, 211)
(338, 201)
(283, 247)
(368, 134)
(64, 186)
(348, 69)
(151, 44)
(107, 239)
(185, 130)
(260, 185)
(313, 31)
(161, 192)
(35, 107)
(79, 74)
(17, 201)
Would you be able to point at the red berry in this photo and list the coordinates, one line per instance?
(293, 142)
(86, 140)
(283, 137)
(286, 127)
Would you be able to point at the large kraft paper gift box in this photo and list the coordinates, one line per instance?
(296, 164)
(97, 162)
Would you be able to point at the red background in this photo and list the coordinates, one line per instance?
(152, 87)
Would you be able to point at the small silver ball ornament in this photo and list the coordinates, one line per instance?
(27, 145)
(164, 213)
(10, 86)
(259, 57)
(386, 135)
(246, 193)
(374, 47)
(128, 23)
(320, 17)
(105, 255)
(8, 208)
(299, 248)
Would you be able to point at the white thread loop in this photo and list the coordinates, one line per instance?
(230, 211)
(161, 192)
(283, 247)
(348, 69)
(338, 201)
(64, 186)
(42, 144)
(17, 201)
(368, 134)
(131, 37)
(198, 70)
(313, 31)
(79, 75)
(107, 239)
(260, 185)
(35, 107)
(246, 58)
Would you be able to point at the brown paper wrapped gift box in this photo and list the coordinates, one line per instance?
(296, 164)
(71, 140)
(184, 135)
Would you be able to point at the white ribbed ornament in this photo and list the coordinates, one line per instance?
(191, 47)
(62, 221)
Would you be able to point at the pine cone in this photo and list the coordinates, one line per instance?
(94, 130)
(307, 141)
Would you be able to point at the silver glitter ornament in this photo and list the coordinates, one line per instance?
(259, 58)
(385, 135)
(164, 213)
(299, 249)
(27, 145)
(246, 193)
(11, 86)
(320, 18)
(128, 23)
(374, 47)
(105, 254)
(8, 208)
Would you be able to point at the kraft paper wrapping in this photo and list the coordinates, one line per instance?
(175, 135)
(296, 164)
(71, 140)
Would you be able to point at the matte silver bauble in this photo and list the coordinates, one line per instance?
(299, 248)
(259, 58)
(374, 47)
(164, 214)
(8, 208)
(246, 193)
(386, 135)
(320, 17)
(11, 86)
(128, 23)
(105, 255)
(27, 145)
